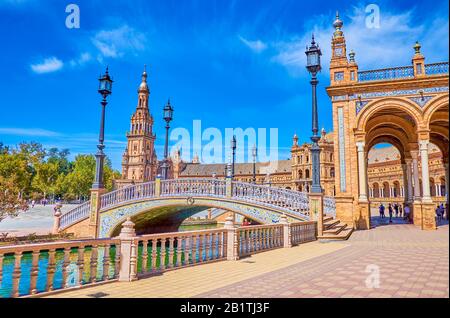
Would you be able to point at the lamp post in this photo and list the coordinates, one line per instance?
(105, 89)
(255, 154)
(233, 148)
(313, 54)
(168, 116)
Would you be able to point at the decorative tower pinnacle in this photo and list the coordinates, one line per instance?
(337, 24)
(417, 47)
(139, 160)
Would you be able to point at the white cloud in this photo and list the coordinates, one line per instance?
(387, 46)
(51, 64)
(256, 46)
(83, 59)
(37, 132)
(117, 42)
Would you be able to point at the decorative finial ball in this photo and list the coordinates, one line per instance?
(338, 22)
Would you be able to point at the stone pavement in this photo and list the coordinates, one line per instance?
(410, 263)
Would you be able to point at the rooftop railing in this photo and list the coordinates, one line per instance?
(386, 74)
(401, 72)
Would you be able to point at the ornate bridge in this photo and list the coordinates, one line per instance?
(164, 204)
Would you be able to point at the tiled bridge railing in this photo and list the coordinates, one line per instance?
(286, 201)
(40, 269)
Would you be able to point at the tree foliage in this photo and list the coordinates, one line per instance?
(28, 171)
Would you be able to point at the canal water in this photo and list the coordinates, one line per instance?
(6, 279)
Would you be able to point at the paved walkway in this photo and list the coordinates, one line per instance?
(407, 261)
(37, 220)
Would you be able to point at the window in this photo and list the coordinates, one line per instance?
(339, 76)
(419, 68)
(352, 75)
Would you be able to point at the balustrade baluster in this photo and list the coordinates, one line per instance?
(144, 256)
(116, 260)
(200, 248)
(1, 269)
(208, 246)
(187, 247)
(93, 264)
(154, 253)
(106, 262)
(16, 273)
(171, 251)
(194, 249)
(50, 269)
(34, 272)
(80, 264)
(162, 264)
(133, 261)
(179, 250)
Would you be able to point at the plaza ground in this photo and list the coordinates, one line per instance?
(37, 220)
(410, 262)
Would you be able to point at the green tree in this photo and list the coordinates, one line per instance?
(10, 202)
(44, 180)
(79, 181)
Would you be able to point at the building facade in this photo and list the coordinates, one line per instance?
(405, 106)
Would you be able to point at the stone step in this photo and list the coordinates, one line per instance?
(343, 235)
(335, 229)
(331, 223)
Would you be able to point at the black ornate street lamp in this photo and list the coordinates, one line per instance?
(255, 154)
(233, 148)
(313, 54)
(168, 116)
(105, 89)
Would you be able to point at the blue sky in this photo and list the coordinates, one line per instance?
(228, 63)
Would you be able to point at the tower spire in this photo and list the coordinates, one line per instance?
(144, 87)
(337, 24)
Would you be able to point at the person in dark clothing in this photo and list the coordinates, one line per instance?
(396, 210)
(391, 211)
(381, 209)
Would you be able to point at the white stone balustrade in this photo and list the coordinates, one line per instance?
(128, 257)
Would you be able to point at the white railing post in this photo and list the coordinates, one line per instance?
(286, 231)
(232, 239)
(57, 219)
(127, 252)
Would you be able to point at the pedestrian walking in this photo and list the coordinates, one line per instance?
(396, 210)
(406, 212)
(391, 212)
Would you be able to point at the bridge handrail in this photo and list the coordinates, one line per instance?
(287, 200)
(210, 187)
(78, 213)
(126, 194)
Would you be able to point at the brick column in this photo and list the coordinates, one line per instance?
(446, 179)
(423, 144)
(57, 220)
(158, 186)
(128, 252)
(316, 210)
(94, 217)
(362, 172)
(286, 231)
(232, 239)
(408, 176)
(415, 165)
